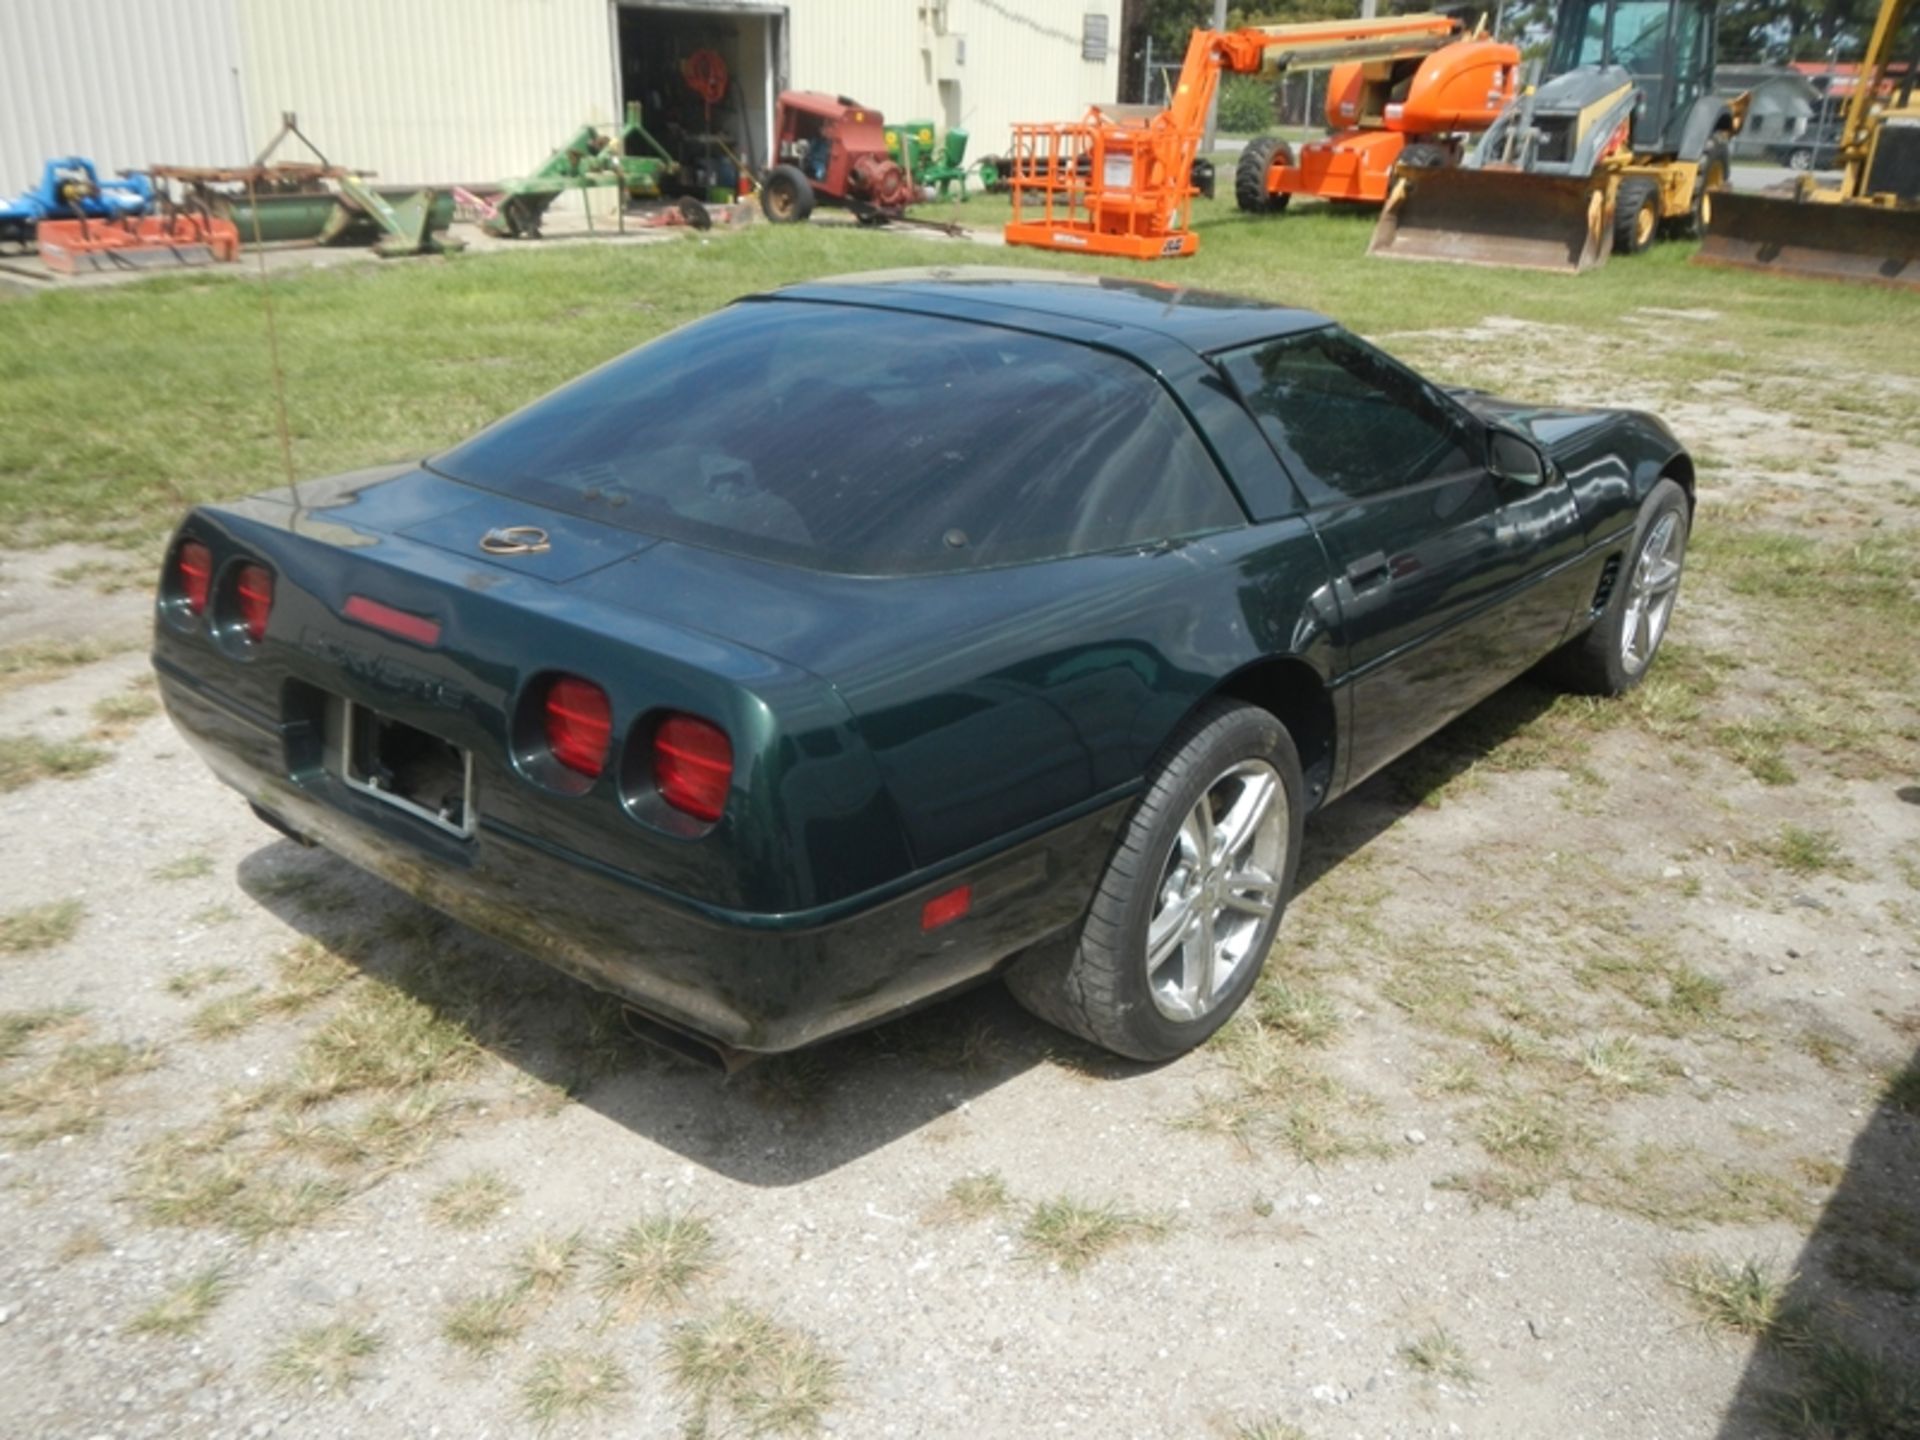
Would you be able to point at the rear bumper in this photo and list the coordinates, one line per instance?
(748, 981)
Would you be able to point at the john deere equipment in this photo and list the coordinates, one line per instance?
(638, 166)
(1623, 141)
(1865, 228)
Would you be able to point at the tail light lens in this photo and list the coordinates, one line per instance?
(193, 569)
(254, 589)
(579, 724)
(692, 765)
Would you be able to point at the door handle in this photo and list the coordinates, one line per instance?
(1369, 570)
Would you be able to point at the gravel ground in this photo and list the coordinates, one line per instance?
(1263, 1281)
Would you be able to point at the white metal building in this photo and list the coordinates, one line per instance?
(471, 91)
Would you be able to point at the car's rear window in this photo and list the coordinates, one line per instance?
(862, 441)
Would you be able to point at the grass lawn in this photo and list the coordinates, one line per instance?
(120, 406)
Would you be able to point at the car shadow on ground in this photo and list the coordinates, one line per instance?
(785, 1119)
(1842, 1358)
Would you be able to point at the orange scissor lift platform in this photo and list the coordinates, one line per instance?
(1114, 184)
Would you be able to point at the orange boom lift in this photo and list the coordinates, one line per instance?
(1116, 184)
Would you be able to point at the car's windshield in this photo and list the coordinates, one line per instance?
(864, 441)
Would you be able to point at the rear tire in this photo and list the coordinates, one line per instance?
(1602, 662)
(786, 195)
(1636, 216)
(1801, 160)
(1250, 191)
(1202, 871)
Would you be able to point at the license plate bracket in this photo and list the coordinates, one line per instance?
(407, 768)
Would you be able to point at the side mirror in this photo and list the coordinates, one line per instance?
(1511, 458)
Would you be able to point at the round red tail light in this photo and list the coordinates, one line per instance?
(193, 569)
(693, 765)
(254, 589)
(579, 724)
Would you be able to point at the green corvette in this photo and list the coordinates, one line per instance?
(875, 636)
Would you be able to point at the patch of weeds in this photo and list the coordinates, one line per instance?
(228, 1015)
(192, 1181)
(1827, 1048)
(482, 1324)
(768, 1379)
(189, 983)
(389, 1134)
(68, 1095)
(39, 927)
(114, 715)
(545, 1264)
(1902, 1092)
(1756, 749)
(27, 758)
(1071, 1234)
(1746, 1299)
(381, 1039)
(973, 1197)
(1616, 1063)
(1267, 1429)
(1681, 1187)
(23, 665)
(1841, 1391)
(1457, 1075)
(563, 1384)
(1807, 852)
(182, 1310)
(196, 866)
(655, 1263)
(324, 1359)
(1438, 1354)
(1530, 1139)
(213, 915)
(311, 971)
(1302, 1014)
(17, 1027)
(471, 1201)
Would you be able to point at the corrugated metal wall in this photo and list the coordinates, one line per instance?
(475, 90)
(442, 90)
(126, 85)
(1022, 59)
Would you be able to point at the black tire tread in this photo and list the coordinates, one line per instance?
(1634, 194)
(1250, 192)
(1076, 984)
(1589, 664)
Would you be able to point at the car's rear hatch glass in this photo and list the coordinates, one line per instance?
(862, 441)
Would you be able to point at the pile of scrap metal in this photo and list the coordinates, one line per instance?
(316, 202)
(633, 164)
(72, 188)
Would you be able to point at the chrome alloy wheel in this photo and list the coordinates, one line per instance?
(1218, 888)
(1651, 589)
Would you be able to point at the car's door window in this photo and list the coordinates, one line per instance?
(1348, 422)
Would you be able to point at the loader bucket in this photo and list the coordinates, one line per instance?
(1496, 217)
(1832, 240)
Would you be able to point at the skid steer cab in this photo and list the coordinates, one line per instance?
(831, 150)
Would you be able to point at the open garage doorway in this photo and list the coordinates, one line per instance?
(712, 139)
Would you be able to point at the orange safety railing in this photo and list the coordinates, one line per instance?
(1105, 186)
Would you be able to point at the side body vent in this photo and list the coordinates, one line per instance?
(1602, 592)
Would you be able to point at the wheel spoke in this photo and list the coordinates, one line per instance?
(1251, 892)
(1166, 932)
(1201, 963)
(1242, 820)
